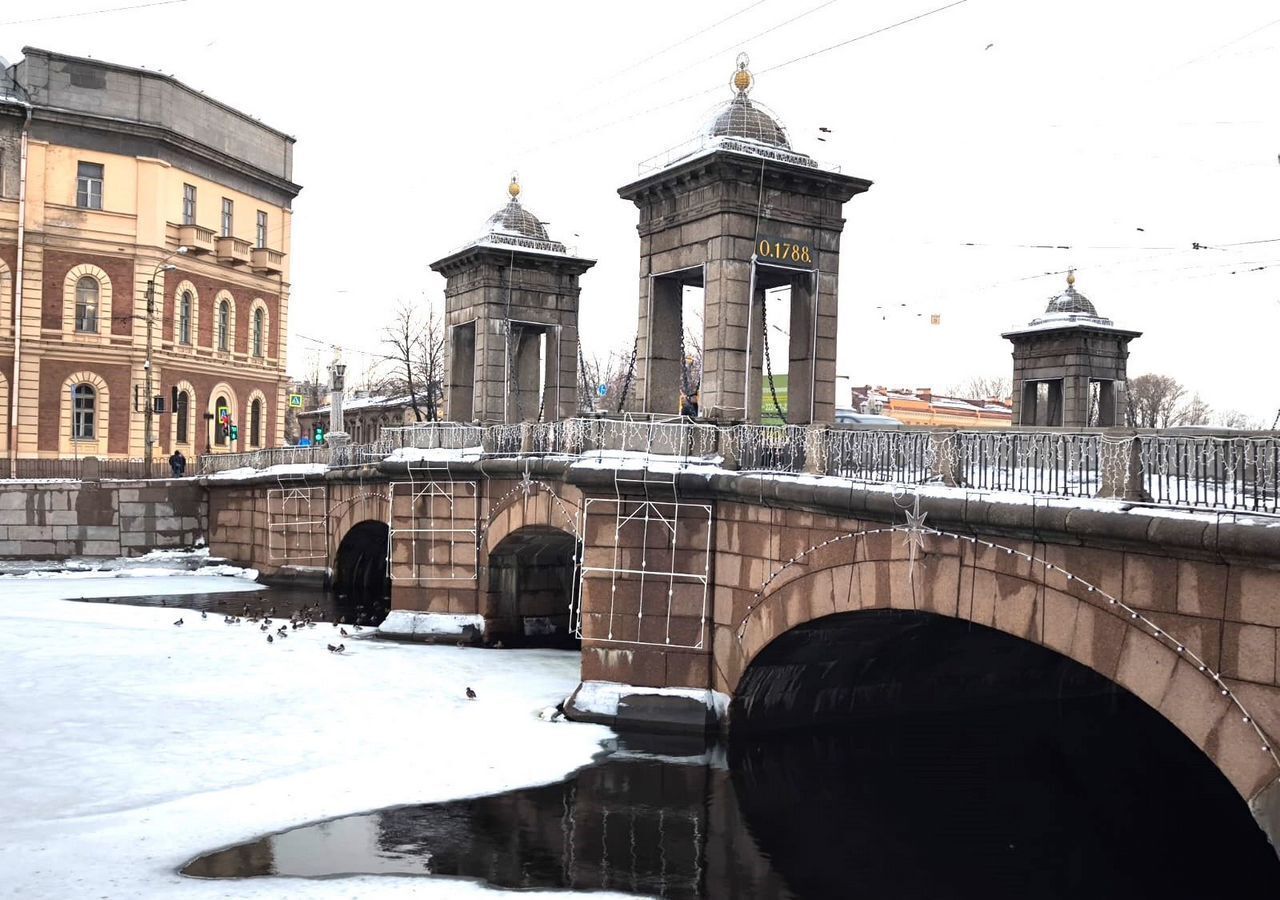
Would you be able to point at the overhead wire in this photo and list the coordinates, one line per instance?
(93, 12)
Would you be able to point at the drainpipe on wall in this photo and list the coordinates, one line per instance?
(17, 296)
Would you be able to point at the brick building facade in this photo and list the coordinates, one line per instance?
(113, 179)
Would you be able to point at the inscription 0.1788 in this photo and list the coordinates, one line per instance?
(796, 254)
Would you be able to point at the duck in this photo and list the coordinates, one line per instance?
(342, 631)
(179, 622)
(471, 695)
(203, 614)
(269, 639)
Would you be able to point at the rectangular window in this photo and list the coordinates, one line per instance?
(89, 185)
(227, 217)
(188, 204)
(262, 229)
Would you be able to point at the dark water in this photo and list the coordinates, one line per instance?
(1094, 798)
(284, 600)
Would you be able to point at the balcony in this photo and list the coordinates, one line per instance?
(267, 261)
(233, 251)
(195, 238)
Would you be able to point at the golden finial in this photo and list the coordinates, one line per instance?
(1071, 277)
(514, 187)
(742, 79)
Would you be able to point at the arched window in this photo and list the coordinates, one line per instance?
(259, 329)
(83, 412)
(184, 318)
(255, 423)
(180, 410)
(219, 436)
(87, 304)
(224, 325)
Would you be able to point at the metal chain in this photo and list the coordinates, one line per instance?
(631, 371)
(768, 362)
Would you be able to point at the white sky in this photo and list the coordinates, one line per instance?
(1084, 122)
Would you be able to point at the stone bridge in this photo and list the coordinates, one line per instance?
(702, 596)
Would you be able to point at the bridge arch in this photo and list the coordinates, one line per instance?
(361, 584)
(1025, 591)
(530, 592)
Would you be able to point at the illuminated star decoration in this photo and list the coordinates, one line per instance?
(527, 487)
(915, 536)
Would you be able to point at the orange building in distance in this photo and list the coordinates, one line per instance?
(922, 407)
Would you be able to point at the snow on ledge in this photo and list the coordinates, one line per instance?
(602, 698)
(407, 623)
(434, 454)
(284, 469)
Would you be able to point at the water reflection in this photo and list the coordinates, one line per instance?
(1092, 799)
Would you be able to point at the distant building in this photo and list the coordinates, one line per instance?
(363, 417)
(105, 173)
(921, 406)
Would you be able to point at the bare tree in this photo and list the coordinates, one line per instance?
(1194, 412)
(1235, 419)
(984, 387)
(429, 361)
(402, 338)
(612, 371)
(1154, 401)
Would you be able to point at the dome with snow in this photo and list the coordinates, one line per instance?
(518, 226)
(740, 118)
(515, 219)
(1070, 306)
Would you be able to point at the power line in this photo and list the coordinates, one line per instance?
(93, 12)
(1230, 43)
(660, 106)
(706, 58)
(860, 37)
(680, 43)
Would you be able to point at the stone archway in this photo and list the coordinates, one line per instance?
(530, 592)
(1031, 596)
(361, 585)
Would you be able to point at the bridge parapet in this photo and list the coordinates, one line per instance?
(1179, 467)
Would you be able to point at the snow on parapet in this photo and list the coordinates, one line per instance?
(407, 623)
(293, 469)
(434, 454)
(602, 698)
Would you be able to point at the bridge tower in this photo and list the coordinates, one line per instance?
(1070, 366)
(736, 212)
(511, 314)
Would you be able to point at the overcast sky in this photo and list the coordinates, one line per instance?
(1127, 131)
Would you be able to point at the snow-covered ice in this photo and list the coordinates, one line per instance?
(131, 745)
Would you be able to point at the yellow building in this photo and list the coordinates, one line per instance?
(140, 221)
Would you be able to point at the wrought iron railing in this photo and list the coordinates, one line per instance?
(1227, 472)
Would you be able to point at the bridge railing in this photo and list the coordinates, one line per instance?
(429, 436)
(1220, 471)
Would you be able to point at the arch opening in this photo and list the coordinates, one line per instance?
(531, 595)
(361, 585)
(950, 753)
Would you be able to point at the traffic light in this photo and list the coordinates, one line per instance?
(319, 435)
(235, 433)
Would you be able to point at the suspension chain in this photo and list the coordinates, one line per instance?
(631, 371)
(768, 363)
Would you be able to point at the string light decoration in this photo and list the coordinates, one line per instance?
(437, 516)
(297, 522)
(915, 527)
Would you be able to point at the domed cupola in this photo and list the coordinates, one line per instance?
(741, 118)
(1071, 306)
(517, 225)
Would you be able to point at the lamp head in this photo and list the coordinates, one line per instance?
(168, 268)
(182, 249)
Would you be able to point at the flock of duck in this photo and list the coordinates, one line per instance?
(307, 617)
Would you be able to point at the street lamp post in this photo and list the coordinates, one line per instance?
(149, 411)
